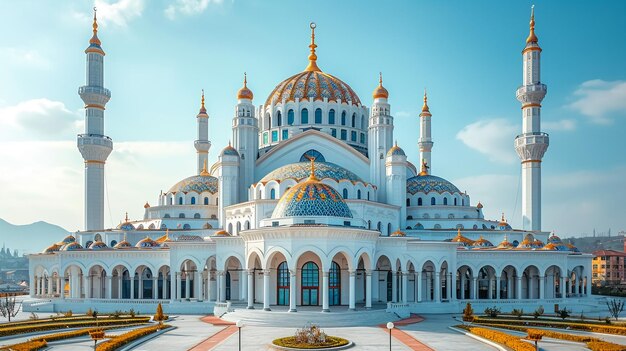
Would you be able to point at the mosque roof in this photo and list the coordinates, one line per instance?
(146, 243)
(301, 170)
(123, 245)
(311, 198)
(244, 92)
(197, 183)
(71, 246)
(505, 244)
(398, 233)
(222, 233)
(52, 248)
(396, 151)
(312, 83)
(482, 242)
(97, 245)
(229, 151)
(459, 238)
(68, 239)
(380, 91)
(427, 183)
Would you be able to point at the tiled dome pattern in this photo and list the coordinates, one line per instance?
(302, 170)
(312, 84)
(430, 183)
(311, 199)
(198, 183)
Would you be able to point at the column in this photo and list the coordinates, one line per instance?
(155, 287)
(509, 288)
(542, 287)
(474, 292)
(531, 287)
(497, 287)
(325, 292)
(243, 285)
(179, 286)
(352, 301)
(109, 286)
(86, 286)
(187, 285)
(405, 282)
(58, 284)
(293, 289)
(463, 283)
(375, 287)
(588, 286)
(49, 285)
(490, 291)
(140, 292)
(518, 287)
(132, 287)
(251, 289)
(450, 295)
(197, 285)
(437, 287)
(419, 278)
(208, 286)
(266, 290)
(164, 286)
(222, 286)
(173, 274)
(394, 286)
(33, 287)
(368, 289)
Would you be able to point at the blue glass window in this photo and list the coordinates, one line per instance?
(353, 136)
(310, 284)
(180, 200)
(353, 120)
(343, 118)
(334, 285)
(285, 134)
(362, 138)
(265, 138)
(344, 134)
(273, 194)
(331, 117)
(274, 135)
(206, 200)
(445, 201)
(305, 116)
(345, 193)
(290, 117)
(282, 279)
(279, 118)
(318, 116)
(193, 200)
(333, 132)
(433, 201)
(419, 201)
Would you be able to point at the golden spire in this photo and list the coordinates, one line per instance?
(424, 168)
(244, 92)
(202, 98)
(94, 39)
(532, 38)
(458, 233)
(380, 91)
(503, 220)
(312, 56)
(245, 80)
(312, 175)
(425, 108)
(380, 79)
(204, 171)
(126, 218)
(202, 108)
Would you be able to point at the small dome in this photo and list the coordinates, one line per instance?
(429, 183)
(197, 183)
(505, 244)
(459, 238)
(72, 246)
(186, 237)
(146, 243)
(126, 225)
(479, 205)
(503, 225)
(395, 151)
(398, 233)
(97, 245)
(244, 92)
(52, 248)
(554, 239)
(222, 233)
(571, 247)
(312, 84)
(527, 243)
(147, 205)
(537, 244)
(68, 239)
(123, 245)
(311, 198)
(549, 246)
(482, 242)
(229, 151)
(380, 91)
(301, 170)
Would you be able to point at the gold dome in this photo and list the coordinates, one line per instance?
(459, 238)
(505, 244)
(482, 242)
(479, 205)
(380, 91)
(532, 38)
(222, 233)
(425, 108)
(244, 92)
(398, 233)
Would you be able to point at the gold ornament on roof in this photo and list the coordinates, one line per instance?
(202, 108)
(425, 109)
(424, 168)
(312, 175)
(532, 38)
(244, 92)
(94, 39)
(380, 91)
(312, 56)
(204, 171)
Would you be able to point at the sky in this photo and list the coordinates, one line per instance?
(160, 54)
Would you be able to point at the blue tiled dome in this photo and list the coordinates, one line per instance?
(146, 243)
(229, 151)
(310, 199)
(197, 183)
(97, 245)
(396, 151)
(429, 183)
(302, 170)
(71, 246)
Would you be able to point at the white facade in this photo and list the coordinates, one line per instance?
(326, 211)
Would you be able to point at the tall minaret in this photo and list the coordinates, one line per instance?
(425, 142)
(380, 138)
(532, 144)
(245, 138)
(94, 146)
(202, 145)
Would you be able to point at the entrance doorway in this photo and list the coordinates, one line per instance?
(310, 284)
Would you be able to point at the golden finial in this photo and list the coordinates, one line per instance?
(204, 171)
(380, 78)
(94, 39)
(424, 168)
(380, 91)
(245, 80)
(167, 234)
(458, 233)
(312, 56)
(312, 175)
(244, 92)
(425, 106)
(532, 38)
(202, 100)
(126, 218)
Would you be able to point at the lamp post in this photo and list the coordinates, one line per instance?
(390, 326)
(239, 325)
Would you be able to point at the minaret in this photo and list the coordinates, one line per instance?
(94, 146)
(202, 145)
(396, 166)
(532, 144)
(245, 138)
(425, 142)
(380, 138)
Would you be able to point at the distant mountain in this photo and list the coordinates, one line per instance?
(30, 238)
(590, 244)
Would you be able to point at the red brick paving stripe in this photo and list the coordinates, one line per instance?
(405, 337)
(215, 339)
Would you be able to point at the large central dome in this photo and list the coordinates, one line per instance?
(312, 84)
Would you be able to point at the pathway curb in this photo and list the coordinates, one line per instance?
(476, 337)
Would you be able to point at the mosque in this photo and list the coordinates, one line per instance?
(312, 204)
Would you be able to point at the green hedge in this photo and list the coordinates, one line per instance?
(120, 340)
(23, 329)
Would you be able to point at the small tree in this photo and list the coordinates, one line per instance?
(564, 313)
(492, 312)
(9, 308)
(518, 313)
(538, 312)
(159, 316)
(615, 307)
(468, 313)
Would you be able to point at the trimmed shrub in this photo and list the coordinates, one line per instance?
(538, 312)
(120, 340)
(508, 340)
(518, 313)
(492, 312)
(39, 327)
(468, 313)
(26, 346)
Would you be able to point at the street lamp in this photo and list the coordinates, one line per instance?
(390, 326)
(239, 325)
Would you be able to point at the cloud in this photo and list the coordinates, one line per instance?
(600, 100)
(23, 58)
(491, 137)
(39, 118)
(561, 125)
(188, 7)
(118, 12)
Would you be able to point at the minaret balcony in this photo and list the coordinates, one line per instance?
(532, 146)
(202, 145)
(94, 95)
(532, 93)
(94, 147)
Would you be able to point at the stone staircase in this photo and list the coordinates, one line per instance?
(339, 316)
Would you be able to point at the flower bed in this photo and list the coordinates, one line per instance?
(290, 341)
(596, 328)
(120, 340)
(26, 346)
(508, 340)
(22, 329)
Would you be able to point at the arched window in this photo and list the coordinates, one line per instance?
(181, 215)
(238, 227)
(462, 202)
(433, 201)
(455, 201)
(268, 121)
(167, 215)
(358, 194)
(273, 194)
(196, 215)
(310, 284)
(230, 228)
(343, 118)
(318, 116)
(247, 225)
(369, 224)
(408, 202)
(163, 226)
(353, 120)
(368, 196)
(180, 200)
(419, 201)
(186, 226)
(304, 116)
(363, 125)
(98, 237)
(193, 200)
(113, 243)
(379, 227)
(279, 119)
(171, 201)
(445, 201)
(334, 285)
(419, 226)
(290, 117)
(206, 200)
(345, 193)
(282, 278)
(331, 117)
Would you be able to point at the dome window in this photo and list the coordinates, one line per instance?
(445, 201)
(433, 201)
(290, 117)
(353, 120)
(343, 118)
(318, 116)
(304, 116)
(206, 200)
(193, 200)
(331, 117)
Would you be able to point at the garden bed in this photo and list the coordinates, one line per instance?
(116, 342)
(91, 322)
(331, 343)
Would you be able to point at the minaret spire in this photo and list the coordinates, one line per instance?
(425, 141)
(312, 56)
(532, 144)
(202, 144)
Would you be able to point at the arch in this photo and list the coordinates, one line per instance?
(206, 200)
(343, 118)
(358, 194)
(554, 282)
(508, 279)
(419, 201)
(273, 194)
(193, 200)
(180, 200)
(290, 117)
(433, 201)
(354, 120)
(196, 216)
(318, 116)
(181, 215)
(334, 284)
(304, 116)
(310, 284)
(345, 193)
(331, 116)
(445, 201)
(408, 202)
(530, 280)
(279, 119)
(464, 281)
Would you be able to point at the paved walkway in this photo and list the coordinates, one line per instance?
(190, 331)
(433, 332)
(212, 341)
(404, 337)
